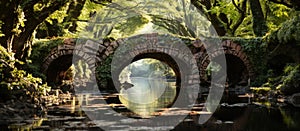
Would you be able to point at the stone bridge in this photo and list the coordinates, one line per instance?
(239, 68)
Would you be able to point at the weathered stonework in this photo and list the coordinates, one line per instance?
(92, 56)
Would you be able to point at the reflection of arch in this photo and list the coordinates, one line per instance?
(166, 48)
(278, 62)
(162, 57)
(234, 55)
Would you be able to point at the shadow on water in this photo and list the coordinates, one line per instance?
(233, 116)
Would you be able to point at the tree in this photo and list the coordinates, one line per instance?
(20, 18)
(259, 24)
(289, 3)
(73, 12)
(225, 15)
(247, 17)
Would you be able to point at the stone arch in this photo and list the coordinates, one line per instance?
(158, 55)
(232, 51)
(153, 50)
(94, 56)
(162, 48)
(61, 57)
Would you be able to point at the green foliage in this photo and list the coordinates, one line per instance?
(58, 15)
(172, 26)
(227, 8)
(20, 79)
(287, 34)
(255, 49)
(103, 72)
(4, 55)
(213, 67)
(245, 29)
(40, 50)
(13, 79)
(277, 14)
(288, 69)
(20, 21)
(80, 69)
(260, 90)
(290, 31)
(291, 82)
(131, 25)
(1, 33)
(49, 29)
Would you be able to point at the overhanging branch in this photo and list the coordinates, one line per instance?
(101, 2)
(282, 2)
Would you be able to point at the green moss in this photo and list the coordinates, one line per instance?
(40, 50)
(255, 49)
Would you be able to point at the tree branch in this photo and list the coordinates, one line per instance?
(236, 6)
(28, 5)
(45, 12)
(205, 6)
(101, 2)
(241, 18)
(282, 2)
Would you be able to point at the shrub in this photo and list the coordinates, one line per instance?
(14, 80)
(291, 82)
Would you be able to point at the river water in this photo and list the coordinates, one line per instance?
(149, 98)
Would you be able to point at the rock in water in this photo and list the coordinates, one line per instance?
(126, 85)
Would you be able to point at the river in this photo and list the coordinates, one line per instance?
(147, 99)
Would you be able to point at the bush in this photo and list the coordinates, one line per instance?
(40, 50)
(291, 82)
(14, 80)
(260, 90)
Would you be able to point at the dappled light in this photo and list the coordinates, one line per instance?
(150, 65)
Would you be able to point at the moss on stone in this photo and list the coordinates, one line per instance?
(40, 50)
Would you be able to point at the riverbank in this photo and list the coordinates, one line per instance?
(240, 116)
(26, 110)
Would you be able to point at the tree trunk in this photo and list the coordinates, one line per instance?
(260, 27)
(219, 27)
(22, 42)
(9, 23)
(73, 12)
(19, 37)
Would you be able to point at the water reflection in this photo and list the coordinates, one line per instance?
(241, 116)
(148, 95)
(145, 87)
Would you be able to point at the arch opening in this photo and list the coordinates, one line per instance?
(148, 82)
(237, 72)
(57, 70)
(163, 59)
(62, 71)
(151, 81)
